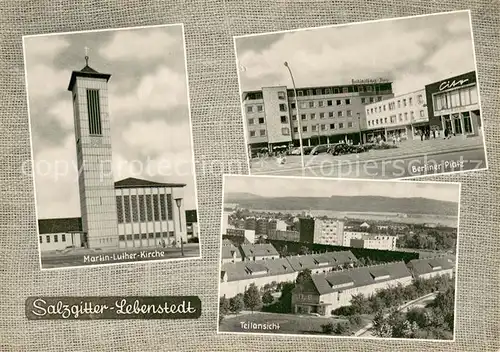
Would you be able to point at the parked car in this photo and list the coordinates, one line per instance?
(340, 149)
(322, 148)
(357, 149)
(296, 151)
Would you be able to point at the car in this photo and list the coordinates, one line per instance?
(340, 149)
(296, 151)
(356, 149)
(322, 148)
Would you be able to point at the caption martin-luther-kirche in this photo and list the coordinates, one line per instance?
(131, 213)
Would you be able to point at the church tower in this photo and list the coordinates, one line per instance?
(89, 90)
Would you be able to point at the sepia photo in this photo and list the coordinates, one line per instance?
(338, 257)
(393, 98)
(112, 156)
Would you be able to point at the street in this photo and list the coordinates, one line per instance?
(89, 258)
(325, 165)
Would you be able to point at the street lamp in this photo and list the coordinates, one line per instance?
(359, 126)
(299, 125)
(178, 201)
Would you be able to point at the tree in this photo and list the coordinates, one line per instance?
(285, 299)
(360, 304)
(236, 303)
(303, 277)
(381, 327)
(355, 320)
(284, 251)
(341, 328)
(267, 298)
(304, 250)
(224, 306)
(328, 328)
(252, 299)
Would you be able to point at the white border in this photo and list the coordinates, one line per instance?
(304, 179)
(192, 148)
(358, 23)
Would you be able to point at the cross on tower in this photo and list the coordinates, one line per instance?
(86, 56)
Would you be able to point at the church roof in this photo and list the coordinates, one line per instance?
(59, 225)
(89, 72)
(132, 182)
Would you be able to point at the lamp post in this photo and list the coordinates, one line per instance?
(359, 126)
(178, 202)
(299, 125)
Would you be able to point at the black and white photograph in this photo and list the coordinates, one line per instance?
(338, 257)
(112, 155)
(385, 99)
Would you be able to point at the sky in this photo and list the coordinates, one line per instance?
(311, 187)
(412, 52)
(148, 107)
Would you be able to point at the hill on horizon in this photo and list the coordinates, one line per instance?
(410, 205)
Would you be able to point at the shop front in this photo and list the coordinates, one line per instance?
(454, 105)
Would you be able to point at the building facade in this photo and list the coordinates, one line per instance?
(382, 242)
(328, 231)
(431, 267)
(349, 235)
(454, 105)
(404, 117)
(287, 235)
(60, 234)
(248, 235)
(326, 114)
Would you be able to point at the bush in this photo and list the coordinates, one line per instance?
(345, 311)
(355, 320)
(341, 328)
(328, 328)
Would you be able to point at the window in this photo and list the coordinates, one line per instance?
(345, 90)
(467, 122)
(347, 101)
(385, 119)
(369, 89)
(311, 104)
(371, 111)
(136, 236)
(473, 95)
(406, 116)
(142, 209)
(328, 91)
(412, 115)
(400, 117)
(259, 108)
(369, 122)
(371, 100)
(40, 239)
(330, 114)
(156, 207)
(332, 126)
(47, 239)
(135, 212)
(304, 128)
(419, 99)
(377, 121)
(393, 118)
(363, 100)
(339, 102)
(303, 104)
(368, 111)
(455, 99)
(379, 98)
(285, 131)
(465, 96)
(294, 117)
(339, 114)
(323, 127)
(282, 107)
(56, 238)
(281, 95)
(320, 103)
(252, 133)
(251, 121)
(262, 132)
(321, 115)
(126, 207)
(313, 116)
(303, 116)
(404, 102)
(94, 110)
(129, 237)
(310, 92)
(292, 105)
(170, 211)
(295, 129)
(341, 125)
(361, 89)
(249, 108)
(329, 102)
(300, 93)
(399, 104)
(421, 113)
(261, 120)
(319, 91)
(384, 107)
(149, 208)
(119, 209)
(410, 101)
(349, 113)
(349, 124)
(314, 128)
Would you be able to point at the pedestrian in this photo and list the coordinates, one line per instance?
(434, 134)
(422, 135)
(446, 133)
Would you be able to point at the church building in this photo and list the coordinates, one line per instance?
(131, 213)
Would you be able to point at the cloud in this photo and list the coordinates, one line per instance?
(160, 90)
(62, 113)
(452, 58)
(56, 181)
(45, 81)
(139, 44)
(45, 48)
(157, 136)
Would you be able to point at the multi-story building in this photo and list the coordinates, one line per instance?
(404, 116)
(287, 235)
(382, 242)
(349, 235)
(327, 114)
(261, 227)
(277, 225)
(322, 231)
(454, 105)
(247, 235)
(329, 291)
(251, 223)
(237, 276)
